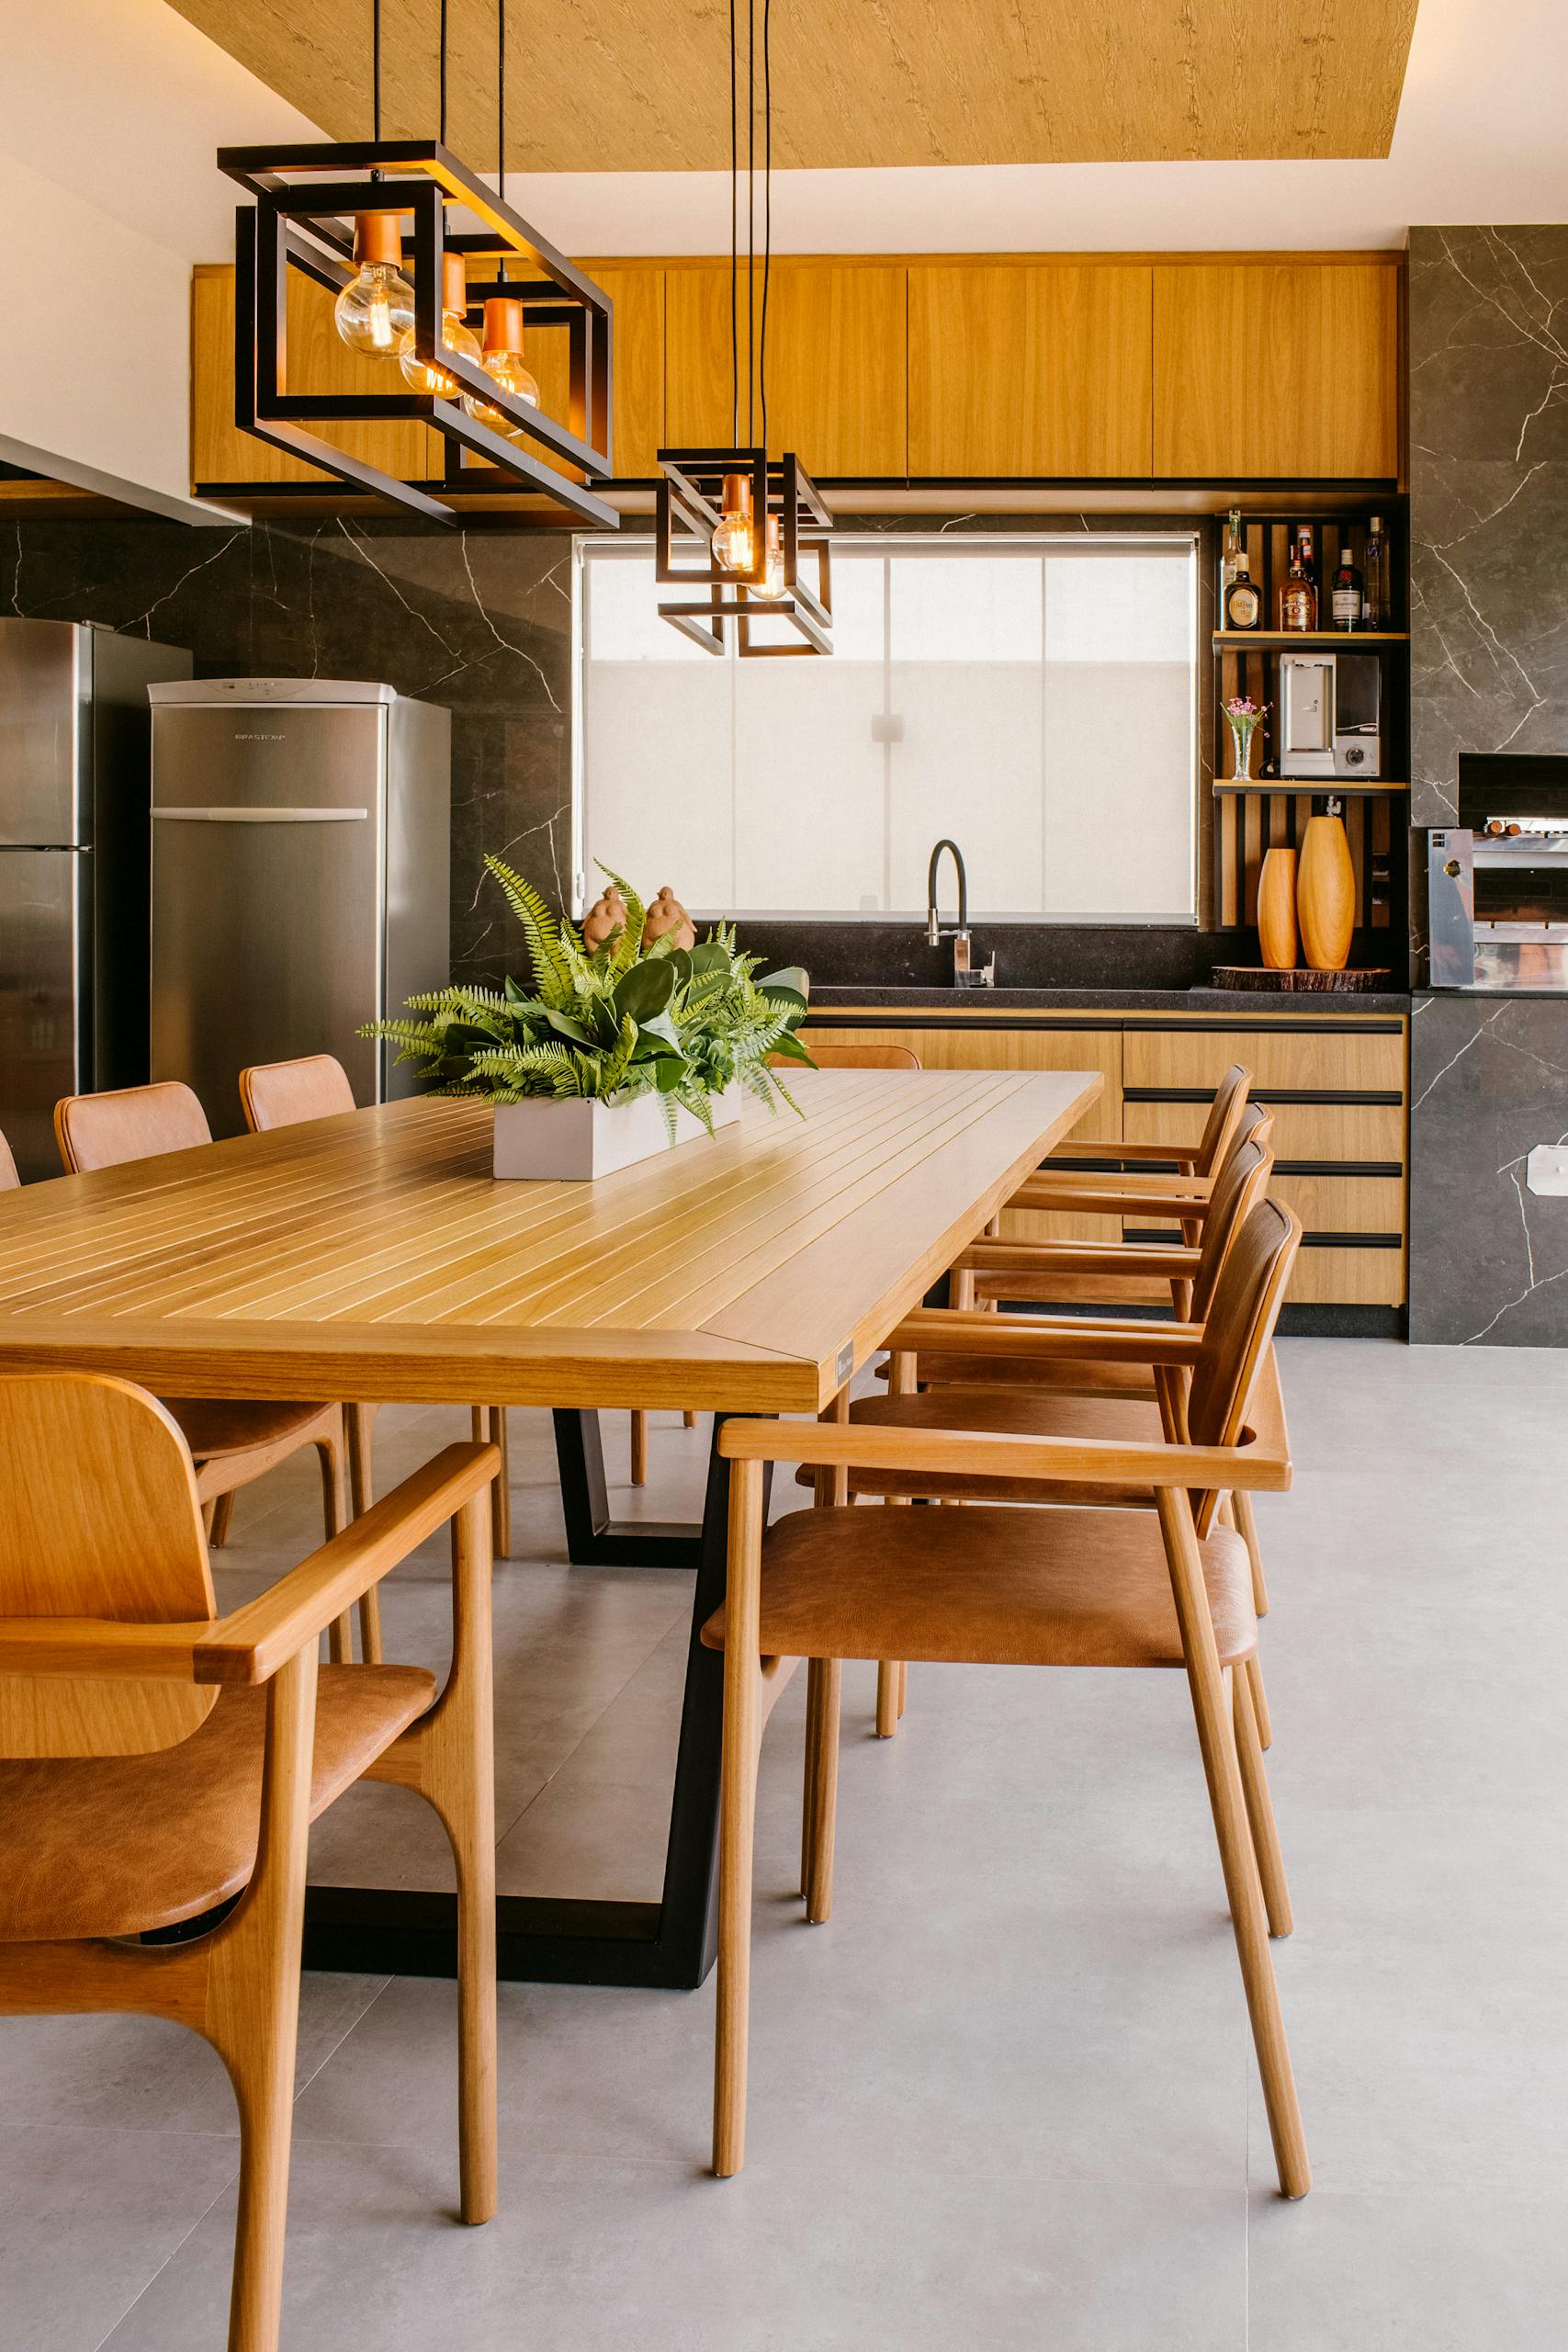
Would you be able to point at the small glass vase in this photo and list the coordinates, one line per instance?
(1241, 751)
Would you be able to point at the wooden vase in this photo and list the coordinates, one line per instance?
(1277, 909)
(1326, 895)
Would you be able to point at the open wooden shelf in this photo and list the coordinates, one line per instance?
(1342, 786)
(1275, 640)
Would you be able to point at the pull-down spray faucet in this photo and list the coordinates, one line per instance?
(965, 974)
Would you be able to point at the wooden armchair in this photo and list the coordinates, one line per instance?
(161, 1762)
(286, 1094)
(990, 1584)
(1146, 1185)
(231, 1441)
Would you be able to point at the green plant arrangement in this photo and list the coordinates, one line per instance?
(627, 1016)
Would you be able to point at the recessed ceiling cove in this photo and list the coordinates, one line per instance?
(639, 85)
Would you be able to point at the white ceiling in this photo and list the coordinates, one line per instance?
(1481, 136)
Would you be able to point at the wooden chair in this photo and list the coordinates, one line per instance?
(991, 1584)
(285, 1094)
(1144, 1186)
(160, 1762)
(858, 1056)
(232, 1442)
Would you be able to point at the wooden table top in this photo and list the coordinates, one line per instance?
(374, 1257)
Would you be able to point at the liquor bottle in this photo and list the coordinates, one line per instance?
(1374, 606)
(1233, 552)
(1244, 605)
(1346, 595)
(1298, 593)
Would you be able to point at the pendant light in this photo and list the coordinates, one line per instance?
(749, 520)
(430, 243)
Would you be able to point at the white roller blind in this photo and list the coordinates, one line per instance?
(1035, 698)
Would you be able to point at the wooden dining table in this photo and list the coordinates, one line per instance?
(373, 1257)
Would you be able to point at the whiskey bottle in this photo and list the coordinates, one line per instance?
(1233, 552)
(1375, 602)
(1346, 595)
(1244, 605)
(1298, 592)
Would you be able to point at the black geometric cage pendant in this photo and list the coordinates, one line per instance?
(729, 520)
(307, 198)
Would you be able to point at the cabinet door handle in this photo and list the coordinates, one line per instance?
(260, 816)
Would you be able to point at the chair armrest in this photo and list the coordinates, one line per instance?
(1112, 1201)
(1138, 1154)
(253, 1641)
(1076, 1258)
(250, 1645)
(1096, 1462)
(954, 1330)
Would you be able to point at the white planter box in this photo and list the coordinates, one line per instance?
(573, 1141)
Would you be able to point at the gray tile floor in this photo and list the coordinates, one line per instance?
(1005, 2098)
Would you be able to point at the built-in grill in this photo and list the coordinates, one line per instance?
(1497, 881)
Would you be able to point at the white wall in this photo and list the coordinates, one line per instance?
(110, 114)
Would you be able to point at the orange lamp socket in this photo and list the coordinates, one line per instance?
(504, 323)
(378, 237)
(737, 498)
(454, 284)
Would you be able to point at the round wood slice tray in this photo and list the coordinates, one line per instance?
(1362, 981)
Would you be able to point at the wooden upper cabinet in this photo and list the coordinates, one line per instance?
(837, 391)
(318, 361)
(1032, 368)
(638, 368)
(1288, 369)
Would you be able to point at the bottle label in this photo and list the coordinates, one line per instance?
(1243, 606)
(1346, 606)
(1297, 613)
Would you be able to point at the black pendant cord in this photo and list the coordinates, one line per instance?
(500, 111)
(443, 110)
(751, 220)
(734, 246)
(376, 70)
(767, 204)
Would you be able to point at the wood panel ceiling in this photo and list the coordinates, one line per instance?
(619, 85)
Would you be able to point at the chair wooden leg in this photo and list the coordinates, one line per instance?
(737, 1805)
(903, 1686)
(208, 1513)
(222, 1514)
(1259, 1700)
(253, 2006)
(1260, 1809)
(822, 1781)
(808, 1788)
(360, 1420)
(688, 1420)
(1222, 1771)
(490, 1429)
(639, 1449)
(1246, 1528)
(340, 1635)
(887, 1708)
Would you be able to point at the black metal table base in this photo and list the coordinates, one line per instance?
(595, 1540)
(668, 1945)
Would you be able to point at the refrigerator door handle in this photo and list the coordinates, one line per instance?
(260, 816)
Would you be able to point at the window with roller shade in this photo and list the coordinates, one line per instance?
(1035, 698)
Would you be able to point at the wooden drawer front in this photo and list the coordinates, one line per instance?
(1359, 1133)
(1324, 1061)
(1330, 1277)
(961, 1047)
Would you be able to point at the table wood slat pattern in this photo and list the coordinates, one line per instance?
(373, 1255)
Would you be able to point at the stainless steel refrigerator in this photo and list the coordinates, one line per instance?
(301, 863)
(74, 790)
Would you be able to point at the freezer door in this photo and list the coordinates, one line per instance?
(42, 779)
(42, 995)
(267, 894)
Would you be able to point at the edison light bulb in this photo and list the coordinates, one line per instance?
(502, 358)
(374, 310)
(773, 566)
(427, 376)
(733, 542)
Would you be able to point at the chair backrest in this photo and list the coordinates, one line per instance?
(99, 1517)
(1241, 1183)
(1239, 1330)
(862, 1056)
(285, 1094)
(135, 1122)
(1224, 1118)
(9, 1180)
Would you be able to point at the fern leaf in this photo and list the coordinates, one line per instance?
(542, 935)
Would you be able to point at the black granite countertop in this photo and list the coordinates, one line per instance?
(827, 997)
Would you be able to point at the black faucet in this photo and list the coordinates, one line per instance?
(964, 975)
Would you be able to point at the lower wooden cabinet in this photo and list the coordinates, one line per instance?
(1336, 1085)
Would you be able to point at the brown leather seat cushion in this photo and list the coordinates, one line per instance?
(1018, 1411)
(985, 1586)
(110, 1845)
(214, 1425)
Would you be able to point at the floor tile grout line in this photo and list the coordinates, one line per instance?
(172, 2255)
(619, 1693)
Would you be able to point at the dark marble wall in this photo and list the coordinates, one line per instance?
(1489, 672)
(479, 619)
